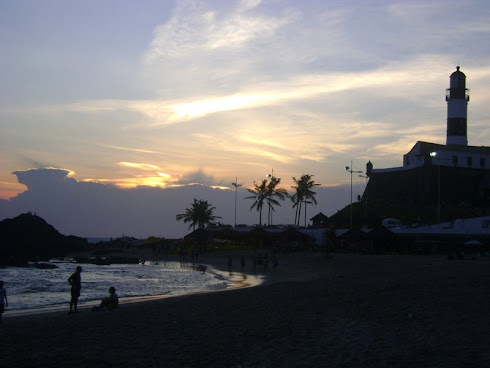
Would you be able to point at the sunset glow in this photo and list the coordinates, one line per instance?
(186, 96)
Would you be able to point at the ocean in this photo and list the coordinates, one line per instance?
(36, 290)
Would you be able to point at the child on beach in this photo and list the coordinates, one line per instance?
(111, 302)
(3, 297)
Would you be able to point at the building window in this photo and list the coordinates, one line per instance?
(469, 161)
(482, 162)
(455, 160)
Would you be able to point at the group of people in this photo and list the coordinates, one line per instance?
(258, 261)
(75, 280)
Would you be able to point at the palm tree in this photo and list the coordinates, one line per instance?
(259, 195)
(297, 199)
(200, 214)
(272, 194)
(303, 195)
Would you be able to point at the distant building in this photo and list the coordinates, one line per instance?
(319, 220)
(436, 182)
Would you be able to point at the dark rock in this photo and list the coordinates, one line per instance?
(29, 238)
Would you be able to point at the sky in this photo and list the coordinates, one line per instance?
(114, 115)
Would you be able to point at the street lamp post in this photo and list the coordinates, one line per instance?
(236, 185)
(351, 171)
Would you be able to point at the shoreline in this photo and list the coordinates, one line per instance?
(348, 310)
(235, 281)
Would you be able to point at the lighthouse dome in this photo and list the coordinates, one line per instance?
(458, 72)
(457, 79)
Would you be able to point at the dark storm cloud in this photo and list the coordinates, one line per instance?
(102, 210)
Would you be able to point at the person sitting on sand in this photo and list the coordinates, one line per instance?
(111, 302)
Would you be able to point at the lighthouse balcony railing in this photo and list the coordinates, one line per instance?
(466, 94)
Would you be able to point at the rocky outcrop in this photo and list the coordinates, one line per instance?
(29, 238)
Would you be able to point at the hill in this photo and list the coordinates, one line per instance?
(28, 237)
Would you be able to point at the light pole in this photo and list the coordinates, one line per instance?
(236, 185)
(350, 170)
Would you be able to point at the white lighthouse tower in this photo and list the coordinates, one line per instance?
(457, 97)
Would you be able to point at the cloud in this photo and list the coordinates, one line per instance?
(199, 178)
(234, 88)
(415, 10)
(195, 28)
(129, 149)
(296, 88)
(47, 176)
(103, 210)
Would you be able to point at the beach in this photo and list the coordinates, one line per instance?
(345, 310)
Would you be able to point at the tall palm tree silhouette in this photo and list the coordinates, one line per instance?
(259, 196)
(303, 195)
(273, 195)
(200, 213)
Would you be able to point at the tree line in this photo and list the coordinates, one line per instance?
(266, 193)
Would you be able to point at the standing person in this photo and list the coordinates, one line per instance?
(266, 262)
(275, 263)
(75, 280)
(3, 297)
(242, 262)
(230, 264)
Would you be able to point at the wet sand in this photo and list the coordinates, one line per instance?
(344, 311)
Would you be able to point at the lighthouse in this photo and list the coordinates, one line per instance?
(457, 97)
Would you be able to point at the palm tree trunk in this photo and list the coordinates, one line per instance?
(305, 213)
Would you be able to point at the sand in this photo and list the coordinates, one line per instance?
(347, 310)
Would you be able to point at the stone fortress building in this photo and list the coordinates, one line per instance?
(436, 182)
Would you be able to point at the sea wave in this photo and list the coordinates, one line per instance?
(32, 288)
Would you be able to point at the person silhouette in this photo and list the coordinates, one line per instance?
(110, 302)
(75, 280)
(230, 265)
(3, 297)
